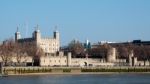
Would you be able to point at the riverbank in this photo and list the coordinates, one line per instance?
(73, 70)
(93, 73)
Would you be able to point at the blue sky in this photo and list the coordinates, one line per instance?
(97, 20)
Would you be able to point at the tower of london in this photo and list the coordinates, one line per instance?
(47, 44)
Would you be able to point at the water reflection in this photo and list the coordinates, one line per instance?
(79, 79)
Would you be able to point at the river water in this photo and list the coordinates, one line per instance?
(78, 79)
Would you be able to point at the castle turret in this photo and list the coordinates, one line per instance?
(56, 33)
(57, 39)
(69, 59)
(111, 55)
(17, 35)
(37, 34)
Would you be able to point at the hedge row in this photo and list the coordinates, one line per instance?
(23, 70)
(66, 70)
(44, 70)
(117, 70)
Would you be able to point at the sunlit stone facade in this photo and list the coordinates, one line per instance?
(48, 44)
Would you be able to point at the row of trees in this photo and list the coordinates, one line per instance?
(142, 52)
(11, 50)
(76, 48)
(79, 50)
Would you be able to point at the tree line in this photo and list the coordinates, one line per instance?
(11, 50)
(142, 52)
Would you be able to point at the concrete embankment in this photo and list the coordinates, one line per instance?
(73, 70)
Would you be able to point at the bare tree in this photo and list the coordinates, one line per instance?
(11, 50)
(100, 51)
(6, 51)
(20, 53)
(34, 51)
(76, 48)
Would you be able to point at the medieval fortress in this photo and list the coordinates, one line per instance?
(52, 45)
(49, 45)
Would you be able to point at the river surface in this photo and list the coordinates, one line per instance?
(78, 79)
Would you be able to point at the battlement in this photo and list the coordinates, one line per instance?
(47, 38)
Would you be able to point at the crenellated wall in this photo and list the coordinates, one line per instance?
(62, 60)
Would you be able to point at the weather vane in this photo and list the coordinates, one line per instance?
(37, 27)
(56, 28)
(17, 28)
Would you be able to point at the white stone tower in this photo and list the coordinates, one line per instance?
(111, 55)
(56, 33)
(37, 35)
(69, 59)
(56, 37)
(47, 44)
(17, 35)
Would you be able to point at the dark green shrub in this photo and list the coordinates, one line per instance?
(66, 70)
